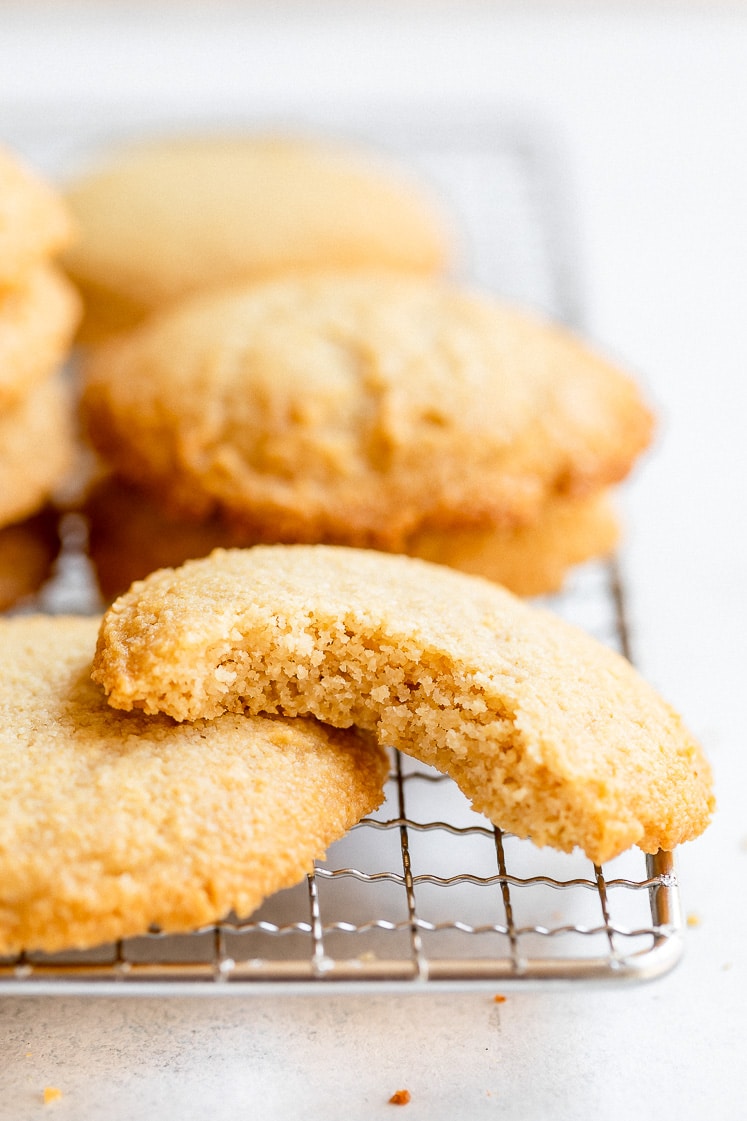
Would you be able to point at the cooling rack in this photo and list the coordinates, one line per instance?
(425, 892)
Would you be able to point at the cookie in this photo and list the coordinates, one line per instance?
(529, 560)
(130, 537)
(360, 410)
(34, 221)
(37, 449)
(550, 734)
(178, 216)
(113, 822)
(38, 318)
(27, 553)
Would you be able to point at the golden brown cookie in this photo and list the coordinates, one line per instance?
(550, 734)
(170, 218)
(529, 560)
(34, 221)
(360, 410)
(37, 449)
(130, 537)
(114, 822)
(27, 552)
(38, 317)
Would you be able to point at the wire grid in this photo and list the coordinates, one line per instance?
(425, 891)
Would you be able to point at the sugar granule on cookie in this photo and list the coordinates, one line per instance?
(114, 822)
(550, 734)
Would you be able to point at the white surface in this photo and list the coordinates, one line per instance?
(653, 110)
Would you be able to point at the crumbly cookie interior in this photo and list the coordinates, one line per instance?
(547, 732)
(422, 704)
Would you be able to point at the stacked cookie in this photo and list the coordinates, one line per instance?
(370, 409)
(295, 369)
(38, 314)
(289, 368)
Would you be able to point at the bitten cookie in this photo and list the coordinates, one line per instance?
(360, 410)
(129, 537)
(34, 221)
(550, 734)
(37, 448)
(178, 216)
(113, 822)
(38, 318)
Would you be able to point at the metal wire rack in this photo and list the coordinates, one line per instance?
(424, 892)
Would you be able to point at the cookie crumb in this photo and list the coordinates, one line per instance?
(51, 1094)
(499, 998)
(400, 1097)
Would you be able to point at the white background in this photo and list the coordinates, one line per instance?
(651, 105)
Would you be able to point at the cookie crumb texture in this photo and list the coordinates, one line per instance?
(549, 734)
(113, 822)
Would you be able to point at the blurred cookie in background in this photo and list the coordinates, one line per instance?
(39, 312)
(35, 223)
(129, 536)
(166, 219)
(38, 449)
(530, 560)
(28, 551)
(365, 409)
(38, 317)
